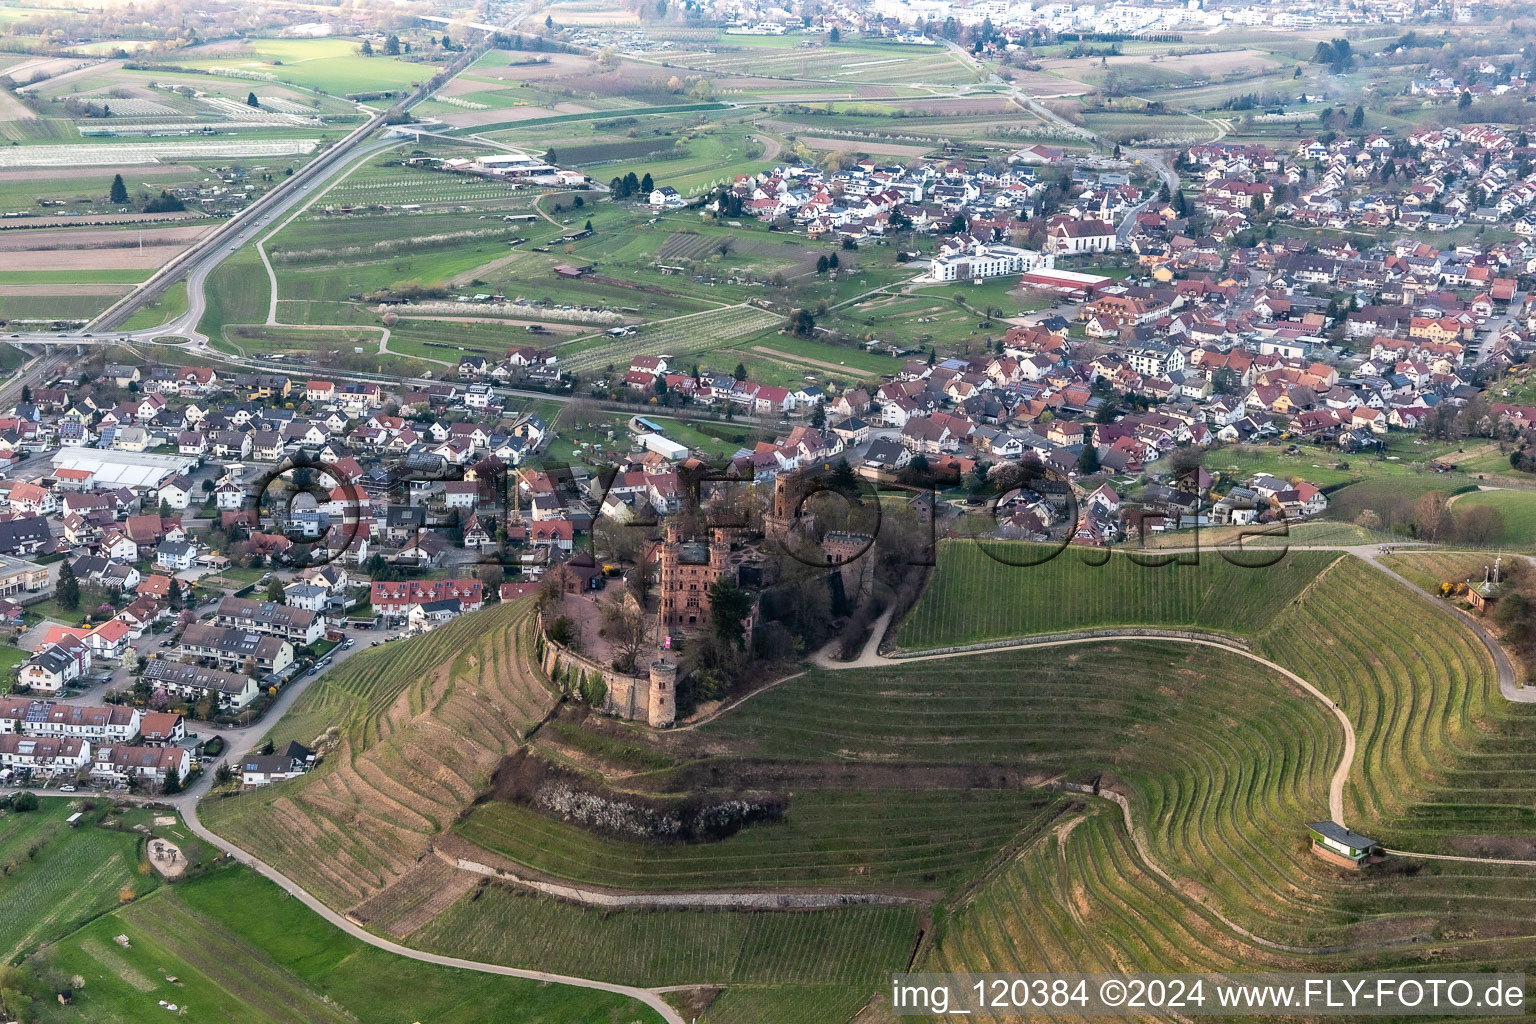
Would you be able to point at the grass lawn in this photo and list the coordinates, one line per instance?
(237, 292)
(10, 658)
(51, 609)
(1516, 509)
(171, 304)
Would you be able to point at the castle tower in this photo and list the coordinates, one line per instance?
(663, 707)
(719, 550)
(788, 493)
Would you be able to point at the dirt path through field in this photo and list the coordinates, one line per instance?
(150, 257)
(790, 357)
(64, 289)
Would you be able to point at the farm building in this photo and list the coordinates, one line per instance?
(1337, 844)
(513, 165)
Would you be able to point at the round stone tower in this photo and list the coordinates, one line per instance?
(663, 706)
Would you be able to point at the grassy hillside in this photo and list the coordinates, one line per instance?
(423, 723)
(1517, 511)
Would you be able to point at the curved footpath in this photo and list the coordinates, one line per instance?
(288, 885)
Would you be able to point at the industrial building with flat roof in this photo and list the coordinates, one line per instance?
(110, 468)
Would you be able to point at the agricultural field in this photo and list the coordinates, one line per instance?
(1431, 567)
(1315, 630)
(678, 337)
(397, 777)
(1322, 466)
(1307, 533)
(227, 946)
(76, 123)
(326, 66)
(588, 441)
(798, 60)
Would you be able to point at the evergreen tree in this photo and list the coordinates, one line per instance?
(119, 191)
(392, 45)
(832, 261)
(251, 100)
(367, 48)
(551, 157)
(728, 605)
(172, 781)
(822, 263)
(1357, 119)
(647, 186)
(740, 373)
(631, 184)
(26, 394)
(67, 594)
(1089, 463)
(834, 36)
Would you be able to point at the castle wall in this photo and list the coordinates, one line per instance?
(629, 697)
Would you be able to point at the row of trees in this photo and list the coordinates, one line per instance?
(628, 185)
(165, 202)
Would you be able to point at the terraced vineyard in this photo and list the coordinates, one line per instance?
(1419, 687)
(697, 332)
(1220, 761)
(984, 591)
(675, 946)
(853, 840)
(1222, 764)
(423, 724)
